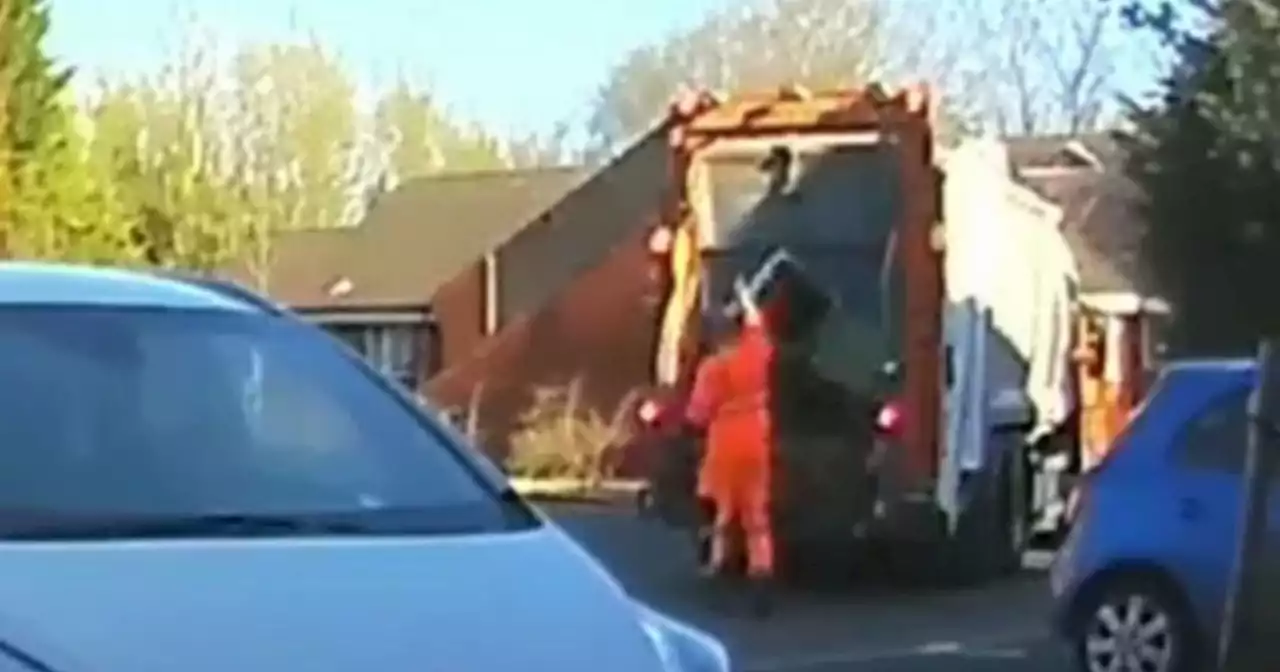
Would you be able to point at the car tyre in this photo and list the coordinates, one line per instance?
(1138, 620)
(1012, 538)
(991, 539)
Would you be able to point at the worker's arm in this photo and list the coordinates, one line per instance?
(706, 395)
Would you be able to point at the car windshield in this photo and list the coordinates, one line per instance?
(116, 417)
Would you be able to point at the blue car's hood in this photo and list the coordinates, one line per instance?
(526, 601)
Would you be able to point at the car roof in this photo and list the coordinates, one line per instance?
(39, 283)
(1211, 373)
(1214, 365)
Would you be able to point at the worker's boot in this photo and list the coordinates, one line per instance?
(644, 503)
(708, 567)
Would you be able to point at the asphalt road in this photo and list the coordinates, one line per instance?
(863, 628)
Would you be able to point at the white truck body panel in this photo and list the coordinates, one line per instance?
(1010, 279)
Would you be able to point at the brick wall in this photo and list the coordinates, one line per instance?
(458, 308)
(600, 329)
(575, 301)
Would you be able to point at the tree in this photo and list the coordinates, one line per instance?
(543, 149)
(298, 107)
(33, 85)
(181, 147)
(216, 161)
(64, 209)
(1035, 67)
(420, 139)
(1014, 66)
(217, 155)
(760, 45)
(163, 142)
(51, 204)
(1208, 157)
(305, 155)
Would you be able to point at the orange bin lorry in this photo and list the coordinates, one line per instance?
(922, 395)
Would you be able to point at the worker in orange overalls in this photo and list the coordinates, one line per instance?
(730, 400)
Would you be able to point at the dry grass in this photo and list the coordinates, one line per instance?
(465, 420)
(559, 438)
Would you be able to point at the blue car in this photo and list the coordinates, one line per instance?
(1141, 581)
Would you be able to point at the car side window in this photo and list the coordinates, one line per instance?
(1215, 438)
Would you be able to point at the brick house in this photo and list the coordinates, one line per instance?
(480, 288)
(1122, 312)
(375, 285)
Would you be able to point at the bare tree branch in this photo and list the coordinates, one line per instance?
(1048, 67)
(759, 44)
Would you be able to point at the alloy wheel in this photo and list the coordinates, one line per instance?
(1130, 633)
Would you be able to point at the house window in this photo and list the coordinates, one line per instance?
(395, 350)
(351, 335)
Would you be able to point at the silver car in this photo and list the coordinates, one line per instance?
(191, 479)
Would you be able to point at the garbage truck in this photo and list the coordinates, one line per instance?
(920, 302)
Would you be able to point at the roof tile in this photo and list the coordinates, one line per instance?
(413, 240)
(1100, 210)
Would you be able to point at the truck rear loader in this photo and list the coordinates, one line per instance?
(922, 392)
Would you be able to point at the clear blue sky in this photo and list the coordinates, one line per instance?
(509, 64)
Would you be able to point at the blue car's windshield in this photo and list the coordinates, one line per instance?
(128, 414)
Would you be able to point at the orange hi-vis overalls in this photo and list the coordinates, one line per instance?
(731, 400)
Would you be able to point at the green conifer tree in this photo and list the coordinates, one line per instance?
(1207, 156)
(53, 204)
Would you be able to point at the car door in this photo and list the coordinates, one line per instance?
(1209, 455)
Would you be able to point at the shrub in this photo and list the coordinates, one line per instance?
(560, 438)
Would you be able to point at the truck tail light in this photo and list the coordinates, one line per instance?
(889, 419)
(651, 413)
